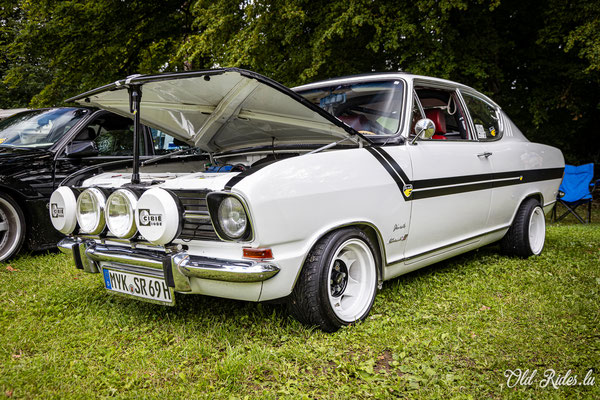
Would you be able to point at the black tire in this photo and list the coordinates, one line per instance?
(12, 227)
(527, 233)
(341, 269)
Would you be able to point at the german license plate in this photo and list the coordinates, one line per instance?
(144, 287)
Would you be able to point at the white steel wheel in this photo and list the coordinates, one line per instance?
(352, 280)
(537, 230)
(527, 233)
(12, 228)
(338, 282)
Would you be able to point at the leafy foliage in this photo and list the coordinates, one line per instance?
(539, 60)
(65, 47)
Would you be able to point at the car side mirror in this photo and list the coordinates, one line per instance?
(425, 128)
(82, 148)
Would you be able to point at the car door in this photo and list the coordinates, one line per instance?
(451, 198)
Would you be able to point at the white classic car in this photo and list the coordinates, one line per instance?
(314, 195)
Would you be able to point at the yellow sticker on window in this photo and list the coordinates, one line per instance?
(493, 131)
(2, 140)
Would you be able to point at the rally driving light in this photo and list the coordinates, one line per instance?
(120, 213)
(157, 216)
(62, 210)
(90, 211)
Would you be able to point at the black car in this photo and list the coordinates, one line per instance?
(39, 148)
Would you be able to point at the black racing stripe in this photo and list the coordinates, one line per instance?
(455, 180)
(388, 168)
(448, 190)
(393, 163)
(537, 175)
(236, 179)
(527, 175)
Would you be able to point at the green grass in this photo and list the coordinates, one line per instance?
(450, 330)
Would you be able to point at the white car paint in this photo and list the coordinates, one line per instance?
(294, 202)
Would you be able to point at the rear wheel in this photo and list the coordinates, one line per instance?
(12, 227)
(527, 234)
(338, 282)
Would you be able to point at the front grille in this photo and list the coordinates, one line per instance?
(196, 219)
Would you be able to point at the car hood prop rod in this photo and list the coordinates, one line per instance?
(135, 98)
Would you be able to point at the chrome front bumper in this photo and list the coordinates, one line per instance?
(178, 267)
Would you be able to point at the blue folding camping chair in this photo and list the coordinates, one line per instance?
(575, 190)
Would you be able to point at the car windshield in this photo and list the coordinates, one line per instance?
(38, 128)
(368, 107)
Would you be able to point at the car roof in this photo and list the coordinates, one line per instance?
(407, 76)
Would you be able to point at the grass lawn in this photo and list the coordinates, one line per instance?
(450, 330)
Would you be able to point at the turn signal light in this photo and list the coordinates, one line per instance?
(263, 254)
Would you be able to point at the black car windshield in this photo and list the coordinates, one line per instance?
(38, 128)
(369, 107)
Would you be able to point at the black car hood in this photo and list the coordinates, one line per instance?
(16, 160)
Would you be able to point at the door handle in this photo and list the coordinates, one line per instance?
(486, 154)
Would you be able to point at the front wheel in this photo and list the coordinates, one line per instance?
(12, 227)
(338, 282)
(527, 234)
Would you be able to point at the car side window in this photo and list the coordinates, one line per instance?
(485, 118)
(444, 109)
(112, 134)
(164, 143)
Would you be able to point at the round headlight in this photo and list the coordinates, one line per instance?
(62, 210)
(90, 211)
(232, 217)
(120, 213)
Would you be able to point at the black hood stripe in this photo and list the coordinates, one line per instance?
(236, 179)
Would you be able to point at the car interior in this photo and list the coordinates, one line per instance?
(441, 106)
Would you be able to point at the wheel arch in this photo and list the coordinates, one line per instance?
(18, 197)
(533, 195)
(368, 229)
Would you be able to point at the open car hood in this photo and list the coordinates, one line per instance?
(221, 109)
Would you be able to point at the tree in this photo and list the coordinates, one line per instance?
(66, 47)
(539, 60)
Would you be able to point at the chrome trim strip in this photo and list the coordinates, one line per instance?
(457, 243)
(196, 215)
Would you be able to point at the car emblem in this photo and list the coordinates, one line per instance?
(407, 190)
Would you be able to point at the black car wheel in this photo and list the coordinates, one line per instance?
(12, 227)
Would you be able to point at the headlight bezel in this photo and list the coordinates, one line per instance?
(131, 200)
(100, 222)
(214, 201)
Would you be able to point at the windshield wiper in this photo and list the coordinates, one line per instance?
(330, 145)
(163, 156)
